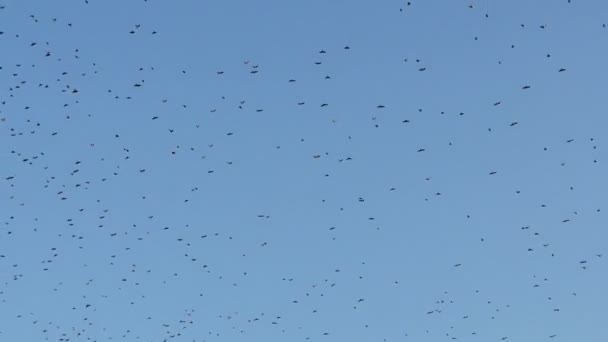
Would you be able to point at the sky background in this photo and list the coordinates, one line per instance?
(206, 204)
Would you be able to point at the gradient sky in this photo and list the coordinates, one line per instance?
(395, 204)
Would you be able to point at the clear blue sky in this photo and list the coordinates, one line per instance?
(431, 176)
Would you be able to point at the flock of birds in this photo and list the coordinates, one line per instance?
(157, 189)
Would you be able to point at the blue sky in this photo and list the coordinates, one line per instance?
(403, 187)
